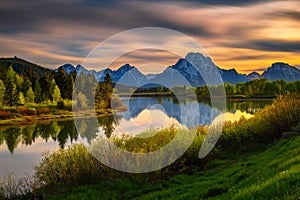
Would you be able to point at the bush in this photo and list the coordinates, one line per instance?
(64, 105)
(6, 114)
(26, 111)
(265, 126)
(74, 165)
(60, 104)
(68, 105)
(11, 186)
(41, 111)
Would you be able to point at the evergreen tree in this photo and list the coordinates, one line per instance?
(2, 90)
(30, 97)
(56, 96)
(108, 90)
(104, 93)
(45, 83)
(21, 98)
(19, 81)
(52, 86)
(37, 92)
(10, 95)
(61, 79)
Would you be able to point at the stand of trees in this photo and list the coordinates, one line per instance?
(257, 87)
(18, 89)
(28, 88)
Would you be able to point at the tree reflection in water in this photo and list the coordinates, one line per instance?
(59, 131)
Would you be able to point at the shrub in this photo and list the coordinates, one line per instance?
(6, 114)
(11, 186)
(43, 111)
(68, 105)
(265, 126)
(71, 166)
(26, 111)
(60, 104)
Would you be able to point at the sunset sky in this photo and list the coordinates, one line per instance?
(246, 35)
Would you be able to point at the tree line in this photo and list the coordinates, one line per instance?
(28, 87)
(256, 87)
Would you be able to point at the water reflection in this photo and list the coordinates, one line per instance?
(61, 132)
(194, 114)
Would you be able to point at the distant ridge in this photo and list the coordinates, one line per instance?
(20, 66)
(182, 69)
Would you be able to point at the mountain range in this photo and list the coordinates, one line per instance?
(181, 73)
(184, 73)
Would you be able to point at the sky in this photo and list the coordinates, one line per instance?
(246, 35)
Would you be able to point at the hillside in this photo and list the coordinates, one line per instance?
(263, 173)
(20, 66)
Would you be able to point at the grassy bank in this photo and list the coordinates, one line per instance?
(33, 113)
(263, 172)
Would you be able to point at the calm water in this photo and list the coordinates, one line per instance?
(21, 146)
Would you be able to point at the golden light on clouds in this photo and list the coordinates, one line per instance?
(247, 37)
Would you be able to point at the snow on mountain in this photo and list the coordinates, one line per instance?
(182, 73)
(198, 70)
(121, 71)
(282, 71)
(101, 74)
(151, 76)
(131, 77)
(254, 75)
(193, 70)
(68, 68)
(80, 69)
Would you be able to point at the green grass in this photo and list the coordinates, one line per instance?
(263, 173)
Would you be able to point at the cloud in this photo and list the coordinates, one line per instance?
(221, 2)
(269, 45)
(53, 32)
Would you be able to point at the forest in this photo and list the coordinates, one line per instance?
(30, 93)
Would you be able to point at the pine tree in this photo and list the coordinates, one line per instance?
(52, 86)
(45, 83)
(108, 90)
(19, 81)
(30, 96)
(2, 90)
(10, 95)
(56, 94)
(21, 98)
(37, 92)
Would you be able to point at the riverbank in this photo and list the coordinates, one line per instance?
(254, 174)
(57, 115)
(200, 97)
